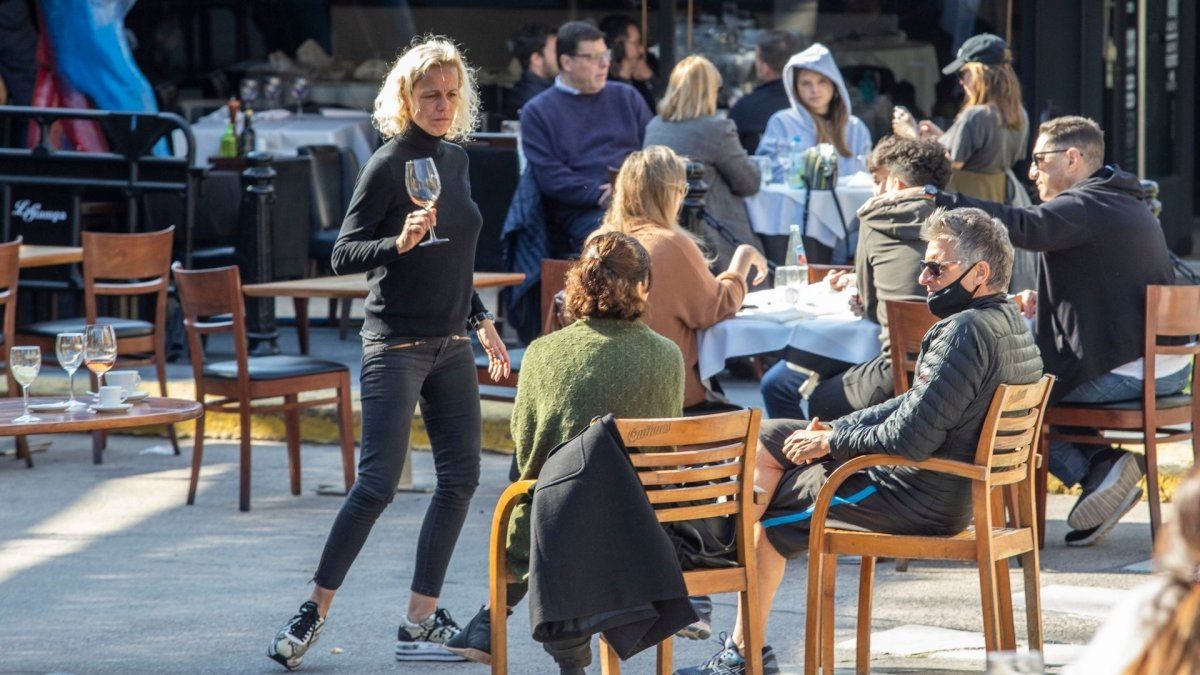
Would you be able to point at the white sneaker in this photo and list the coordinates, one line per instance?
(294, 639)
(426, 641)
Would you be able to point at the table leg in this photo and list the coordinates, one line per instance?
(300, 307)
(97, 447)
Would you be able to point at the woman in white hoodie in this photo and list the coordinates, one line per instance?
(819, 113)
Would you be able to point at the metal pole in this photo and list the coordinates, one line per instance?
(693, 202)
(255, 225)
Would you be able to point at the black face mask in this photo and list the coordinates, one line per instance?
(952, 299)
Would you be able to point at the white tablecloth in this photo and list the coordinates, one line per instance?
(776, 207)
(283, 136)
(840, 335)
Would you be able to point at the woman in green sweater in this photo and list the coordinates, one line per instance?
(607, 361)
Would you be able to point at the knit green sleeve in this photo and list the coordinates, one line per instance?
(523, 425)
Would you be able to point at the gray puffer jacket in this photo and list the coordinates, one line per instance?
(963, 359)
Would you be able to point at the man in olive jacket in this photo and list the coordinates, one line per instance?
(980, 343)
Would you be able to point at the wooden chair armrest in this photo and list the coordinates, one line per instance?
(497, 561)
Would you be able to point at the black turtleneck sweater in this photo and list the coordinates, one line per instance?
(427, 291)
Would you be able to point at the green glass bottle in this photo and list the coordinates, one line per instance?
(229, 142)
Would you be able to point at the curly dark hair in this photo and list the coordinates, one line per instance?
(603, 283)
(919, 163)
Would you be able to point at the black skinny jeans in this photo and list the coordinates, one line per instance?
(397, 373)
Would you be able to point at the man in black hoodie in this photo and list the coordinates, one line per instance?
(1100, 248)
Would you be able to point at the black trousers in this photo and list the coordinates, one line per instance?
(860, 386)
(397, 374)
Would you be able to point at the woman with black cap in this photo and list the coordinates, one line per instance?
(990, 132)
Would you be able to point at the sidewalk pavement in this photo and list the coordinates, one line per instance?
(103, 569)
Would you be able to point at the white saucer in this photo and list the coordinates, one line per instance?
(120, 407)
(51, 406)
(132, 398)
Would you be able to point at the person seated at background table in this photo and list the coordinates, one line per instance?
(819, 112)
(688, 124)
(631, 62)
(751, 112)
(1100, 248)
(686, 296)
(980, 343)
(889, 250)
(1156, 628)
(533, 46)
(575, 132)
(606, 361)
(990, 132)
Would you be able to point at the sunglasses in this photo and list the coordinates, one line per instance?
(602, 57)
(936, 268)
(1039, 158)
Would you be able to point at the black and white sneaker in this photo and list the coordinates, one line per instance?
(426, 641)
(729, 661)
(294, 639)
(1092, 535)
(1113, 476)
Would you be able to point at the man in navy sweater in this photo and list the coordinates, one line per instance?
(576, 131)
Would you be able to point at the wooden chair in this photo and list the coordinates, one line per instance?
(819, 272)
(908, 322)
(10, 271)
(1172, 318)
(1004, 461)
(709, 473)
(129, 267)
(218, 293)
(554, 279)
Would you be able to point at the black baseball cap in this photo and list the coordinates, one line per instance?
(983, 48)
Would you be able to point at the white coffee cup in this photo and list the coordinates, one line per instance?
(111, 396)
(125, 379)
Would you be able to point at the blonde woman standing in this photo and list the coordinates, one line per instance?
(415, 343)
(991, 131)
(688, 124)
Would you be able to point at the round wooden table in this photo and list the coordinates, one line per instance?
(147, 412)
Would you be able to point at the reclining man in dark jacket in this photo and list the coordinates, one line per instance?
(980, 343)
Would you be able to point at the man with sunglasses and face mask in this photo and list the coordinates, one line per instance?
(1100, 247)
(980, 343)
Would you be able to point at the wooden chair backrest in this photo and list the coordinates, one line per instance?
(554, 279)
(212, 303)
(1172, 312)
(10, 272)
(819, 272)
(697, 467)
(126, 264)
(908, 322)
(1009, 437)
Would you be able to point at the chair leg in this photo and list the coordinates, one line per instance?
(1041, 478)
(346, 430)
(197, 456)
(291, 424)
(1004, 609)
(23, 451)
(160, 369)
(300, 307)
(665, 656)
(752, 619)
(812, 620)
(987, 594)
(866, 586)
(1033, 599)
(244, 463)
(1151, 446)
(828, 589)
(609, 663)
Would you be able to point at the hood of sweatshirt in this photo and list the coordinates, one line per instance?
(897, 216)
(1110, 177)
(816, 58)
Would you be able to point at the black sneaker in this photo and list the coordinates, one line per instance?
(729, 661)
(474, 642)
(1113, 476)
(1092, 535)
(426, 641)
(296, 637)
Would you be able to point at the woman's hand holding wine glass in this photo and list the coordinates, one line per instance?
(424, 186)
(416, 226)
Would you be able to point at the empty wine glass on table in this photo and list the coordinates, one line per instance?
(69, 348)
(300, 88)
(25, 362)
(424, 186)
(99, 349)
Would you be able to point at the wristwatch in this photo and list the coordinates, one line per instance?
(474, 321)
(939, 198)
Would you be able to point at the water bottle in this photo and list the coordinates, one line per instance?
(796, 256)
(795, 177)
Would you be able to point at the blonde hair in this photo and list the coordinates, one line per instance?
(394, 105)
(691, 91)
(995, 85)
(831, 128)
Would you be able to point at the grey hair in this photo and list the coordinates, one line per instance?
(976, 236)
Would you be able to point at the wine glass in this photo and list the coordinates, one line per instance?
(100, 349)
(424, 186)
(272, 92)
(248, 91)
(300, 92)
(69, 348)
(25, 362)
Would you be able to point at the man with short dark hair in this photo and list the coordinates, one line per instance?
(534, 48)
(752, 111)
(979, 344)
(575, 132)
(889, 253)
(1100, 247)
